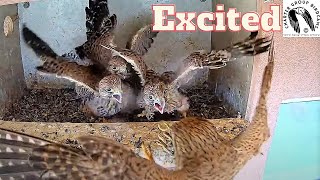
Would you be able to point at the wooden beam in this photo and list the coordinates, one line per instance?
(6, 2)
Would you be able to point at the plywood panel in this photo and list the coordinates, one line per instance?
(233, 82)
(11, 71)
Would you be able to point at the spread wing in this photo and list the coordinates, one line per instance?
(294, 20)
(100, 26)
(307, 17)
(168, 76)
(219, 59)
(88, 76)
(25, 157)
(134, 59)
(142, 40)
(98, 17)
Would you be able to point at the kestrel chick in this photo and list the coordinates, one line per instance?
(96, 82)
(110, 86)
(118, 65)
(213, 60)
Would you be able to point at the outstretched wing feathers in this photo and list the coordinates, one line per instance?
(294, 20)
(218, 59)
(35, 158)
(132, 58)
(88, 76)
(85, 75)
(99, 158)
(100, 26)
(142, 40)
(307, 17)
(98, 17)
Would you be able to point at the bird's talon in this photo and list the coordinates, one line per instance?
(161, 139)
(164, 147)
(184, 114)
(150, 116)
(147, 152)
(142, 114)
(168, 136)
(163, 126)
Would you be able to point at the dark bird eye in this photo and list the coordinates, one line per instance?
(114, 68)
(150, 97)
(109, 89)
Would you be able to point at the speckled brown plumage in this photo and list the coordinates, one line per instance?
(102, 91)
(200, 152)
(132, 58)
(142, 40)
(100, 30)
(27, 157)
(197, 139)
(250, 46)
(164, 88)
(151, 98)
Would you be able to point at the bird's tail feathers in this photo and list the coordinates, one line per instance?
(98, 19)
(40, 47)
(108, 24)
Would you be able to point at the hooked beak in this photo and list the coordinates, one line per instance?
(159, 106)
(118, 97)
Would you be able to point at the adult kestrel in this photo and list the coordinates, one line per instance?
(198, 139)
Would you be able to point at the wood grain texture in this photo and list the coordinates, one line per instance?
(6, 2)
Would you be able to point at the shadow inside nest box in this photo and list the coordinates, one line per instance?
(61, 105)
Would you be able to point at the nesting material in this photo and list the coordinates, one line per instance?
(204, 103)
(61, 105)
(47, 105)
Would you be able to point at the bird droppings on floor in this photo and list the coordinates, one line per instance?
(61, 105)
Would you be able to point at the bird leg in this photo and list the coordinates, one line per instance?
(183, 109)
(147, 113)
(184, 114)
